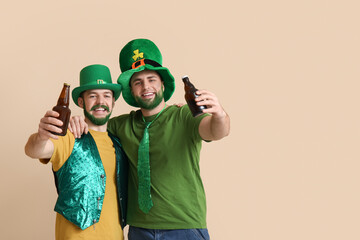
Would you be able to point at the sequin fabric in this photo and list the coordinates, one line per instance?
(145, 202)
(81, 184)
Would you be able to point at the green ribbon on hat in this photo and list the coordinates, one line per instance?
(143, 168)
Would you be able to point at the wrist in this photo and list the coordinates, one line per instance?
(220, 115)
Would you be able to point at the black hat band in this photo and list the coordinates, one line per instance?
(142, 62)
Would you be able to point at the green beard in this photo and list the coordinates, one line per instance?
(148, 104)
(94, 120)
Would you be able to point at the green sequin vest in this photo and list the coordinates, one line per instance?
(80, 183)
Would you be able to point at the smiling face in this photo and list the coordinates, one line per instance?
(98, 105)
(147, 89)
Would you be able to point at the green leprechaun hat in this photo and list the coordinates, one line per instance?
(95, 76)
(136, 56)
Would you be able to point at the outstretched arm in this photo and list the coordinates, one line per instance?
(39, 144)
(217, 125)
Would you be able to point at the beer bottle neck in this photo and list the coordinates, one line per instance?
(188, 83)
(64, 96)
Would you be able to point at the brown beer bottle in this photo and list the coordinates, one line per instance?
(190, 95)
(62, 107)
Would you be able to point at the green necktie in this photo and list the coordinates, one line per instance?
(144, 198)
(143, 168)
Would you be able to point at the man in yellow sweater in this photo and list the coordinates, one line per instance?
(91, 171)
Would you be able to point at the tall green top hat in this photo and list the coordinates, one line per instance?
(95, 77)
(136, 56)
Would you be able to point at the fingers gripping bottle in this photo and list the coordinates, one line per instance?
(62, 107)
(190, 95)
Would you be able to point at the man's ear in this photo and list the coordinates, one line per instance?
(81, 102)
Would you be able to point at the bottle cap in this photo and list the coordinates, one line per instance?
(185, 76)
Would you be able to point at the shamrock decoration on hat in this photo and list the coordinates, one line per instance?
(136, 56)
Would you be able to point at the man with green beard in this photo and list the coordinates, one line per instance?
(166, 195)
(91, 171)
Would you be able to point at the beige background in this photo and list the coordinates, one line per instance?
(287, 72)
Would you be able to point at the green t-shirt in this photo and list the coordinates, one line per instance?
(176, 186)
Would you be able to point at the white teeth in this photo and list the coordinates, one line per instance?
(147, 94)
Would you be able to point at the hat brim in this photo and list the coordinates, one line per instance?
(124, 80)
(116, 88)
